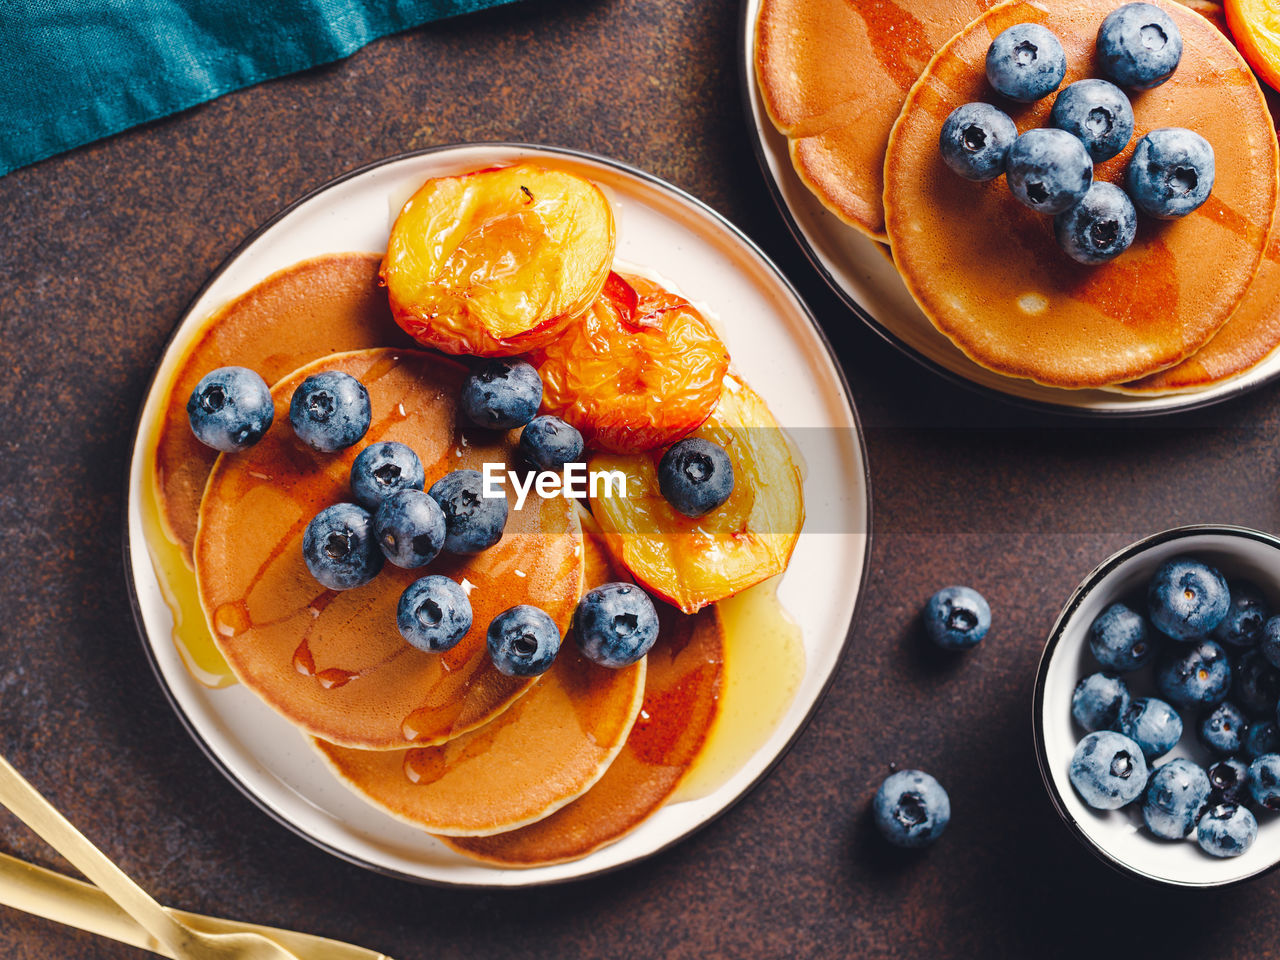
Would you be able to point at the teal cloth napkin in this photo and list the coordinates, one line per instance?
(72, 71)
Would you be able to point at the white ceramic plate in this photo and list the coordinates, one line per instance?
(1117, 835)
(857, 269)
(776, 345)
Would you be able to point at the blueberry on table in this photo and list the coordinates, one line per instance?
(1120, 640)
(1139, 46)
(957, 618)
(548, 443)
(502, 394)
(1269, 641)
(1152, 724)
(1264, 781)
(1048, 170)
(695, 476)
(975, 141)
(472, 521)
(433, 614)
(1247, 612)
(1226, 830)
(1098, 228)
(1108, 770)
(1255, 684)
(1171, 172)
(1175, 795)
(523, 641)
(330, 411)
(911, 809)
(615, 624)
(1229, 780)
(1223, 729)
(1098, 113)
(410, 528)
(230, 409)
(1196, 674)
(1261, 738)
(380, 469)
(1026, 62)
(1099, 701)
(1187, 599)
(338, 547)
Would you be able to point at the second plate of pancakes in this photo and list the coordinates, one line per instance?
(831, 122)
(775, 344)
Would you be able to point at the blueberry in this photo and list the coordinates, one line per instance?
(695, 476)
(957, 618)
(502, 394)
(1261, 738)
(1139, 46)
(433, 614)
(1247, 611)
(975, 141)
(1186, 599)
(1170, 173)
(1195, 675)
(911, 809)
(1098, 228)
(1152, 724)
(1255, 684)
(330, 411)
(1119, 639)
(383, 468)
(1026, 62)
(1269, 641)
(1049, 170)
(1108, 770)
(1264, 781)
(523, 641)
(410, 528)
(1098, 113)
(548, 443)
(230, 409)
(1229, 779)
(616, 624)
(1223, 730)
(1226, 830)
(1175, 796)
(339, 549)
(472, 521)
(1099, 701)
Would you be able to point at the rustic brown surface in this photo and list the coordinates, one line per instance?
(102, 249)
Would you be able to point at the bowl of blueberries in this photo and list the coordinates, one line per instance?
(1155, 708)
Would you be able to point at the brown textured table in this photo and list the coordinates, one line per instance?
(103, 247)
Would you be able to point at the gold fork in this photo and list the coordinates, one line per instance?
(178, 935)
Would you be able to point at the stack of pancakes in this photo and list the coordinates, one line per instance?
(861, 90)
(513, 771)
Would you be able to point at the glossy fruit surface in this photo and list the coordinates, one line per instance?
(1255, 27)
(911, 809)
(339, 548)
(975, 141)
(330, 411)
(523, 641)
(641, 369)
(380, 469)
(433, 614)
(230, 409)
(615, 624)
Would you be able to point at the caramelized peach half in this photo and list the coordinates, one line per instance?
(694, 562)
(497, 262)
(641, 369)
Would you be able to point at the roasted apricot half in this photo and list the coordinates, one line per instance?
(694, 562)
(497, 262)
(641, 369)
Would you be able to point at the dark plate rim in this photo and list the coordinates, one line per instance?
(1086, 587)
(571, 153)
(747, 89)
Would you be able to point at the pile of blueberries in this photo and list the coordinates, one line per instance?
(394, 520)
(1050, 169)
(1215, 650)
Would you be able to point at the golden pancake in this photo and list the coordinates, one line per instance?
(332, 662)
(987, 271)
(544, 752)
(833, 75)
(325, 305)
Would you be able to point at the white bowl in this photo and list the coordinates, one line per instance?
(1118, 836)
